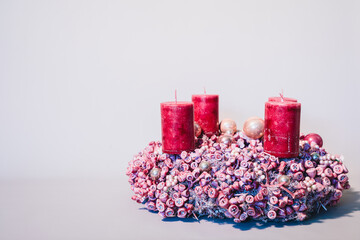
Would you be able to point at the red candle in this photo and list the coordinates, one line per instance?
(206, 112)
(282, 127)
(177, 122)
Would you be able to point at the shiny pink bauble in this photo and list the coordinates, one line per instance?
(254, 127)
(226, 139)
(228, 126)
(313, 137)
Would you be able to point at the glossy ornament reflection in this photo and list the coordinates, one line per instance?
(204, 165)
(254, 127)
(228, 126)
(225, 139)
(314, 137)
(284, 180)
(155, 173)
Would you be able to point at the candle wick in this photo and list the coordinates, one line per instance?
(175, 97)
(282, 95)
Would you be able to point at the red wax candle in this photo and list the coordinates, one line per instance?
(206, 112)
(282, 127)
(177, 122)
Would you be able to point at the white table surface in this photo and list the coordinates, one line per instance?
(102, 209)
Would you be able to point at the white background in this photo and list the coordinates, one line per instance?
(81, 84)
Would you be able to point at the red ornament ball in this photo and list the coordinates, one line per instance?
(313, 137)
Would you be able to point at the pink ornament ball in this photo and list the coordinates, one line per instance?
(313, 137)
(254, 127)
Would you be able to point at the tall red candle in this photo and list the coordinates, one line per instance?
(282, 127)
(177, 122)
(206, 112)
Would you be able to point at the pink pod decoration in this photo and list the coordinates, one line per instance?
(311, 172)
(299, 176)
(301, 166)
(196, 172)
(299, 193)
(222, 177)
(338, 169)
(326, 181)
(274, 200)
(233, 200)
(207, 177)
(198, 190)
(181, 177)
(309, 164)
(182, 187)
(163, 196)
(203, 182)
(161, 185)
(185, 193)
(303, 207)
(294, 167)
(281, 213)
(212, 192)
(342, 178)
(337, 194)
(233, 210)
(238, 173)
(276, 192)
(189, 207)
(237, 220)
(289, 210)
(169, 212)
(249, 199)
(319, 170)
(170, 202)
(179, 202)
(258, 197)
(228, 215)
(189, 177)
(241, 198)
(224, 202)
(319, 187)
(272, 165)
(181, 213)
(301, 216)
(328, 172)
(271, 214)
(160, 206)
(296, 206)
(264, 191)
(236, 185)
(282, 166)
(194, 165)
(243, 216)
(175, 195)
(250, 211)
(151, 206)
(282, 203)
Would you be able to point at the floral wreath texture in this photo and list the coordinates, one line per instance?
(237, 179)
